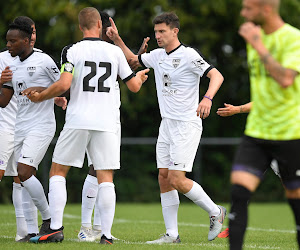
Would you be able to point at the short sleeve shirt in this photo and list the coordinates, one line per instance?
(275, 113)
(177, 77)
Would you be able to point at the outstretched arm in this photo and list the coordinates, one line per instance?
(113, 34)
(216, 80)
(56, 89)
(230, 110)
(135, 83)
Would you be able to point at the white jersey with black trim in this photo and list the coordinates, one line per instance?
(95, 65)
(8, 114)
(177, 77)
(36, 70)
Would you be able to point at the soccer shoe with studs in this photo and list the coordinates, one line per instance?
(216, 223)
(49, 236)
(105, 241)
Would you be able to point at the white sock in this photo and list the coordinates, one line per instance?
(30, 212)
(200, 198)
(89, 195)
(97, 217)
(106, 204)
(57, 200)
(36, 191)
(17, 201)
(170, 203)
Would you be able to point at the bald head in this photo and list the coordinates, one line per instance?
(88, 18)
(275, 4)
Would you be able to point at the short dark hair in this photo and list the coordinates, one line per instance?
(24, 19)
(169, 18)
(24, 28)
(105, 19)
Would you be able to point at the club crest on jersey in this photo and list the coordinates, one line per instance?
(31, 70)
(176, 62)
(199, 63)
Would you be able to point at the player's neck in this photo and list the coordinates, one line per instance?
(91, 33)
(26, 53)
(273, 24)
(171, 46)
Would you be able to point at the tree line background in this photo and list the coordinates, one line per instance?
(211, 27)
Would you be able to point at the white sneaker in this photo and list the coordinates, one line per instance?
(216, 223)
(86, 234)
(18, 237)
(96, 234)
(165, 239)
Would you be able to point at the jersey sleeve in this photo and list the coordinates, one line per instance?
(291, 54)
(198, 64)
(67, 60)
(148, 60)
(124, 70)
(51, 69)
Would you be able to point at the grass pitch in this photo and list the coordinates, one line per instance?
(270, 226)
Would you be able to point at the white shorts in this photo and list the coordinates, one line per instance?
(7, 159)
(177, 144)
(103, 148)
(119, 137)
(30, 149)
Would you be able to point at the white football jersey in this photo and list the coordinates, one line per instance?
(37, 70)
(95, 65)
(8, 114)
(177, 77)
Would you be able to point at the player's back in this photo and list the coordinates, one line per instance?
(92, 94)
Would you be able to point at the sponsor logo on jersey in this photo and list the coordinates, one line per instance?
(31, 70)
(176, 62)
(1, 162)
(167, 80)
(199, 63)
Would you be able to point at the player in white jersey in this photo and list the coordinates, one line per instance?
(35, 124)
(24, 207)
(90, 69)
(178, 70)
(90, 187)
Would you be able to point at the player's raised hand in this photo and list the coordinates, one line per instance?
(228, 110)
(144, 46)
(112, 31)
(6, 75)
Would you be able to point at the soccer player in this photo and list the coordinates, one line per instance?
(273, 124)
(90, 187)
(178, 69)
(90, 67)
(35, 124)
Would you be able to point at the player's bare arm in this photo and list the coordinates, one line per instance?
(216, 80)
(135, 83)
(252, 35)
(230, 110)
(113, 34)
(56, 89)
(5, 96)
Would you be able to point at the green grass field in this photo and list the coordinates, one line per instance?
(271, 226)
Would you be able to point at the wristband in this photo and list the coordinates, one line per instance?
(208, 97)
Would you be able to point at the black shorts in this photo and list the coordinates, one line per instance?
(255, 155)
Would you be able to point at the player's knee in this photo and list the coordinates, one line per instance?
(25, 171)
(239, 192)
(292, 193)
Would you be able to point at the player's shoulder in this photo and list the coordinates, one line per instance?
(191, 51)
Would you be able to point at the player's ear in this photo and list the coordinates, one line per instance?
(80, 27)
(176, 30)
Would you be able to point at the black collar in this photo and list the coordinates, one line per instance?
(92, 39)
(22, 60)
(168, 53)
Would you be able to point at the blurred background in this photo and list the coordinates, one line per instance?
(209, 26)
